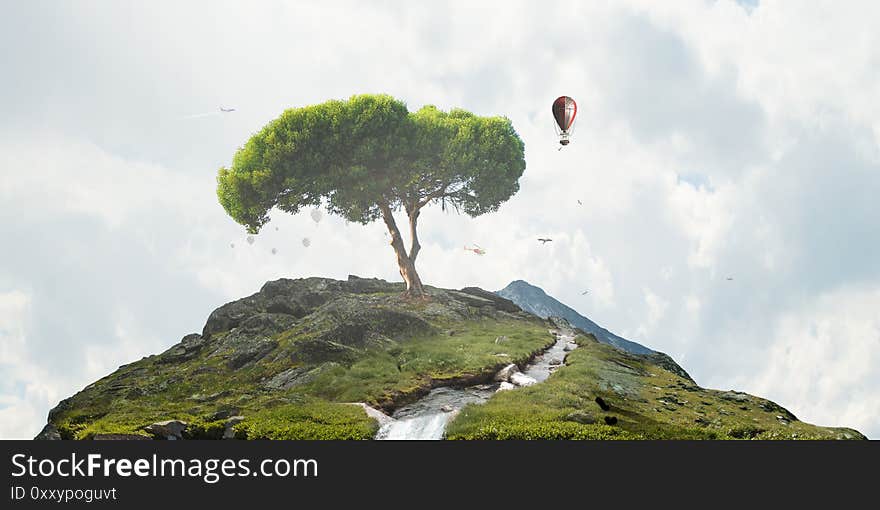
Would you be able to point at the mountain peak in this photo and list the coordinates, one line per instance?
(535, 300)
(522, 284)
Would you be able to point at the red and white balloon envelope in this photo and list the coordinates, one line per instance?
(564, 112)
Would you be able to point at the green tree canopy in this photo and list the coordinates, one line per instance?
(368, 156)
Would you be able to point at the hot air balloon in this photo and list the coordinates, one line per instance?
(564, 111)
(306, 242)
(250, 239)
(316, 215)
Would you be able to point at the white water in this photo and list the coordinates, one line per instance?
(426, 419)
(430, 426)
(543, 365)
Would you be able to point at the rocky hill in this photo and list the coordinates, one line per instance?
(289, 361)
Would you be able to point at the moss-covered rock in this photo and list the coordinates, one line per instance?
(284, 363)
(286, 359)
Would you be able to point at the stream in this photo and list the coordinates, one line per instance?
(427, 417)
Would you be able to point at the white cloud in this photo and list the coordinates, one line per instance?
(712, 141)
(822, 359)
(77, 177)
(13, 308)
(704, 219)
(25, 387)
(656, 308)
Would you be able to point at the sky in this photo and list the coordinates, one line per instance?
(714, 140)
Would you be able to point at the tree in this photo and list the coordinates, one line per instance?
(367, 157)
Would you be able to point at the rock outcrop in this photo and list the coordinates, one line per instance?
(283, 347)
(168, 429)
(287, 361)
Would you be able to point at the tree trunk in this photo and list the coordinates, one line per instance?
(405, 262)
(414, 286)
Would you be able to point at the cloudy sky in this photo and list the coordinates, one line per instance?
(715, 139)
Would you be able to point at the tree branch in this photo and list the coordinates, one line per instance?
(414, 235)
(436, 194)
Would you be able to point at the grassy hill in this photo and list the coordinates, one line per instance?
(287, 362)
(606, 393)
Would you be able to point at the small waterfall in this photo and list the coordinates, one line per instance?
(426, 418)
(430, 426)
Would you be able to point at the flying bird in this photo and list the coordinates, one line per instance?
(580, 203)
(544, 240)
(584, 293)
(227, 110)
(476, 249)
(729, 279)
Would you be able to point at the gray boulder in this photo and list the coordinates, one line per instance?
(521, 379)
(169, 429)
(735, 396)
(505, 386)
(229, 426)
(252, 352)
(188, 348)
(581, 417)
(505, 373)
(289, 378)
(49, 433)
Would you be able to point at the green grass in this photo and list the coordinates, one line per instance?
(411, 364)
(647, 401)
(316, 420)
(313, 419)
(149, 391)
(549, 430)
